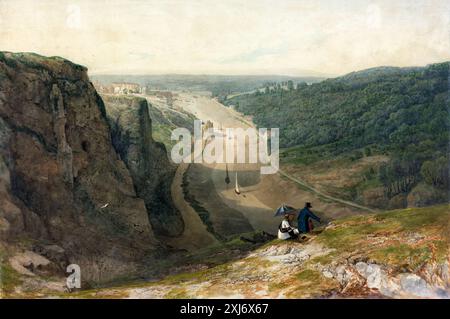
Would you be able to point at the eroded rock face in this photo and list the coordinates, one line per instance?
(61, 179)
(146, 159)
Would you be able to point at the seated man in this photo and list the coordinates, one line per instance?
(304, 222)
(285, 230)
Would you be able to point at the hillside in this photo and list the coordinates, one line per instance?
(396, 254)
(358, 109)
(397, 118)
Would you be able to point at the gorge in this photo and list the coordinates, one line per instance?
(84, 180)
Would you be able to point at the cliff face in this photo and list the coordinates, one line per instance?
(146, 159)
(61, 180)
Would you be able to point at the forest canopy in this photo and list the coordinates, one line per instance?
(400, 112)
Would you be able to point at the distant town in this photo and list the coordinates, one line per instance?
(119, 88)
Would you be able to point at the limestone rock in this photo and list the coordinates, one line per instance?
(27, 262)
(59, 169)
(414, 285)
(146, 160)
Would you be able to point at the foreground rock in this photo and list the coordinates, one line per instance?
(65, 193)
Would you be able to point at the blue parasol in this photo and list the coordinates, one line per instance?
(283, 210)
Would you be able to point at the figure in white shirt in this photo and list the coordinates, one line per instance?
(285, 230)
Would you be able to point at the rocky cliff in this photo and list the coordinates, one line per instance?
(146, 159)
(62, 183)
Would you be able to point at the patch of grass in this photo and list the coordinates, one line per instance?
(221, 252)
(256, 262)
(308, 275)
(9, 279)
(196, 276)
(162, 133)
(394, 230)
(221, 270)
(324, 259)
(95, 294)
(402, 255)
(120, 281)
(310, 283)
(340, 152)
(340, 175)
(369, 183)
(415, 219)
(276, 286)
(348, 235)
(177, 293)
(184, 277)
(442, 250)
(345, 193)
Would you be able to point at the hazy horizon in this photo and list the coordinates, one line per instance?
(294, 38)
(299, 75)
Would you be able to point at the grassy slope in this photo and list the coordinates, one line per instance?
(9, 278)
(343, 176)
(394, 232)
(406, 240)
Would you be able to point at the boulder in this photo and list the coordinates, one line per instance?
(28, 263)
(412, 284)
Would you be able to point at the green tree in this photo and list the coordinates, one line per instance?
(290, 85)
(436, 172)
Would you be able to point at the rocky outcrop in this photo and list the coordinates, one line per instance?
(146, 159)
(64, 151)
(61, 180)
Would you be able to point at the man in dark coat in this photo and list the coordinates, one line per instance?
(303, 218)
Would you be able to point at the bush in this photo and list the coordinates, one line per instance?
(436, 173)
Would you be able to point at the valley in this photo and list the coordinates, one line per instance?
(253, 210)
(141, 226)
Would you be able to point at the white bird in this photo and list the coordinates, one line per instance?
(104, 206)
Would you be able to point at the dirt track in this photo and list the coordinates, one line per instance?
(195, 233)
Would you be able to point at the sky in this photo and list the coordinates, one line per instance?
(289, 37)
